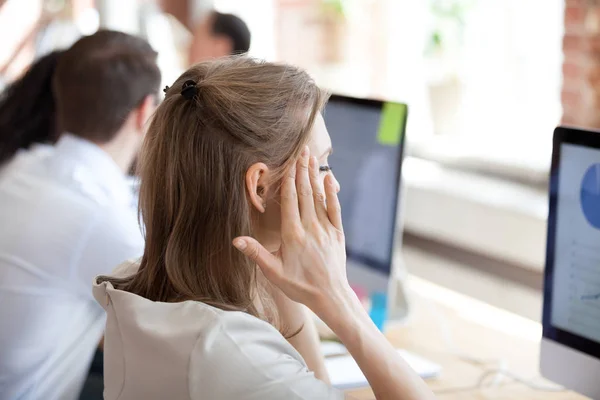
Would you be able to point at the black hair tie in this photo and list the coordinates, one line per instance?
(166, 89)
(189, 90)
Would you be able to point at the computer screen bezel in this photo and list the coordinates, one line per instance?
(396, 234)
(586, 138)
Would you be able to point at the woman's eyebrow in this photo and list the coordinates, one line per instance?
(327, 152)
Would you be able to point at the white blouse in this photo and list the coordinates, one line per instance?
(190, 350)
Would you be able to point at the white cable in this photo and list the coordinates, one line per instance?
(481, 384)
(501, 370)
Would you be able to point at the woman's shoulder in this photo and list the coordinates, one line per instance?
(219, 354)
(241, 336)
(248, 358)
(194, 319)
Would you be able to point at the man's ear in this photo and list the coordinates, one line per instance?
(144, 112)
(257, 185)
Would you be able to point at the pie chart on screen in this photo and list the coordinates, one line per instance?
(590, 195)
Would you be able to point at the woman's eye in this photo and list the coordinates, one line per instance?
(324, 168)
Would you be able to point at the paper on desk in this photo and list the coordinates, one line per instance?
(330, 348)
(344, 373)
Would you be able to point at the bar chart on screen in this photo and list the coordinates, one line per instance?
(584, 289)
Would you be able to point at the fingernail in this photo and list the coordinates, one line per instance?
(313, 162)
(305, 151)
(240, 244)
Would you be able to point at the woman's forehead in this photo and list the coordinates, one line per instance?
(320, 142)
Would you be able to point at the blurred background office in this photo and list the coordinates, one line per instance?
(486, 81)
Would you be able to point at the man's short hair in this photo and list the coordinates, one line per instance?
(100, 80)
(234, 28)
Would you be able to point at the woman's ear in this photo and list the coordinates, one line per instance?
(257, 185)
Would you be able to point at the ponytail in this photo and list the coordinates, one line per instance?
(28, 110)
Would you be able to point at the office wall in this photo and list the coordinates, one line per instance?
(581, 67)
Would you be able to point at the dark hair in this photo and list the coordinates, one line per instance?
(100, 80)
(27, 108)
(234, 28)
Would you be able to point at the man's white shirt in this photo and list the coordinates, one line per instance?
(65, 217)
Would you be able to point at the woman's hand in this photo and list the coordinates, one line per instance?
(310, 267)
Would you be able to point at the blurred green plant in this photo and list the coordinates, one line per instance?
(337, 8)
(448, 19)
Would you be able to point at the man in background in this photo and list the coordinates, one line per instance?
(218, 35)
(66, 217)
(186, 32)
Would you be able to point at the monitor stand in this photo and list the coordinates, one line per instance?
(370, 281)
(399, 300)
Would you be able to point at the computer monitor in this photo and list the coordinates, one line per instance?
(570, 349)
(368, 146)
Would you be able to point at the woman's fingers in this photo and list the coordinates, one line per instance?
(304, 188)
(318, 190)
(290, 215)
(334, 210)
(270, 265)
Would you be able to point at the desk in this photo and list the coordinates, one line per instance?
(445, 325)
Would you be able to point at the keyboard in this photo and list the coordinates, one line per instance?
(344, 372)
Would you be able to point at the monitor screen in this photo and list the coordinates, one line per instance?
(572, 287)
(367, 138)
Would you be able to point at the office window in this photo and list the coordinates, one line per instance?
(482, 77)
(506, 88)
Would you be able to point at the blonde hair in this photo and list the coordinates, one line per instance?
(193, 199)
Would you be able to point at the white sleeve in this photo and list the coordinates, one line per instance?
(246, 358)
(113, 237)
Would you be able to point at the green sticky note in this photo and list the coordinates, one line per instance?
(391, 124)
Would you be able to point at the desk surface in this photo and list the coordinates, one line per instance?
(468, 337)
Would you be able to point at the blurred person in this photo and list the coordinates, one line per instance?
(226, 163)
(218, 35)
(66, 217)
(28, 110)
(189, 31)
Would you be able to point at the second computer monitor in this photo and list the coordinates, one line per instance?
(368, 143)
(570, 349)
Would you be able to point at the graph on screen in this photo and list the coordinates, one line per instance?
(590, 296)
(584, 290)
(590, 195)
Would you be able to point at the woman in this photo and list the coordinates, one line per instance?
(226, 160)
(27, 109)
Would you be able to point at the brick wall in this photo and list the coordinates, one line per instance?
(581, 68)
